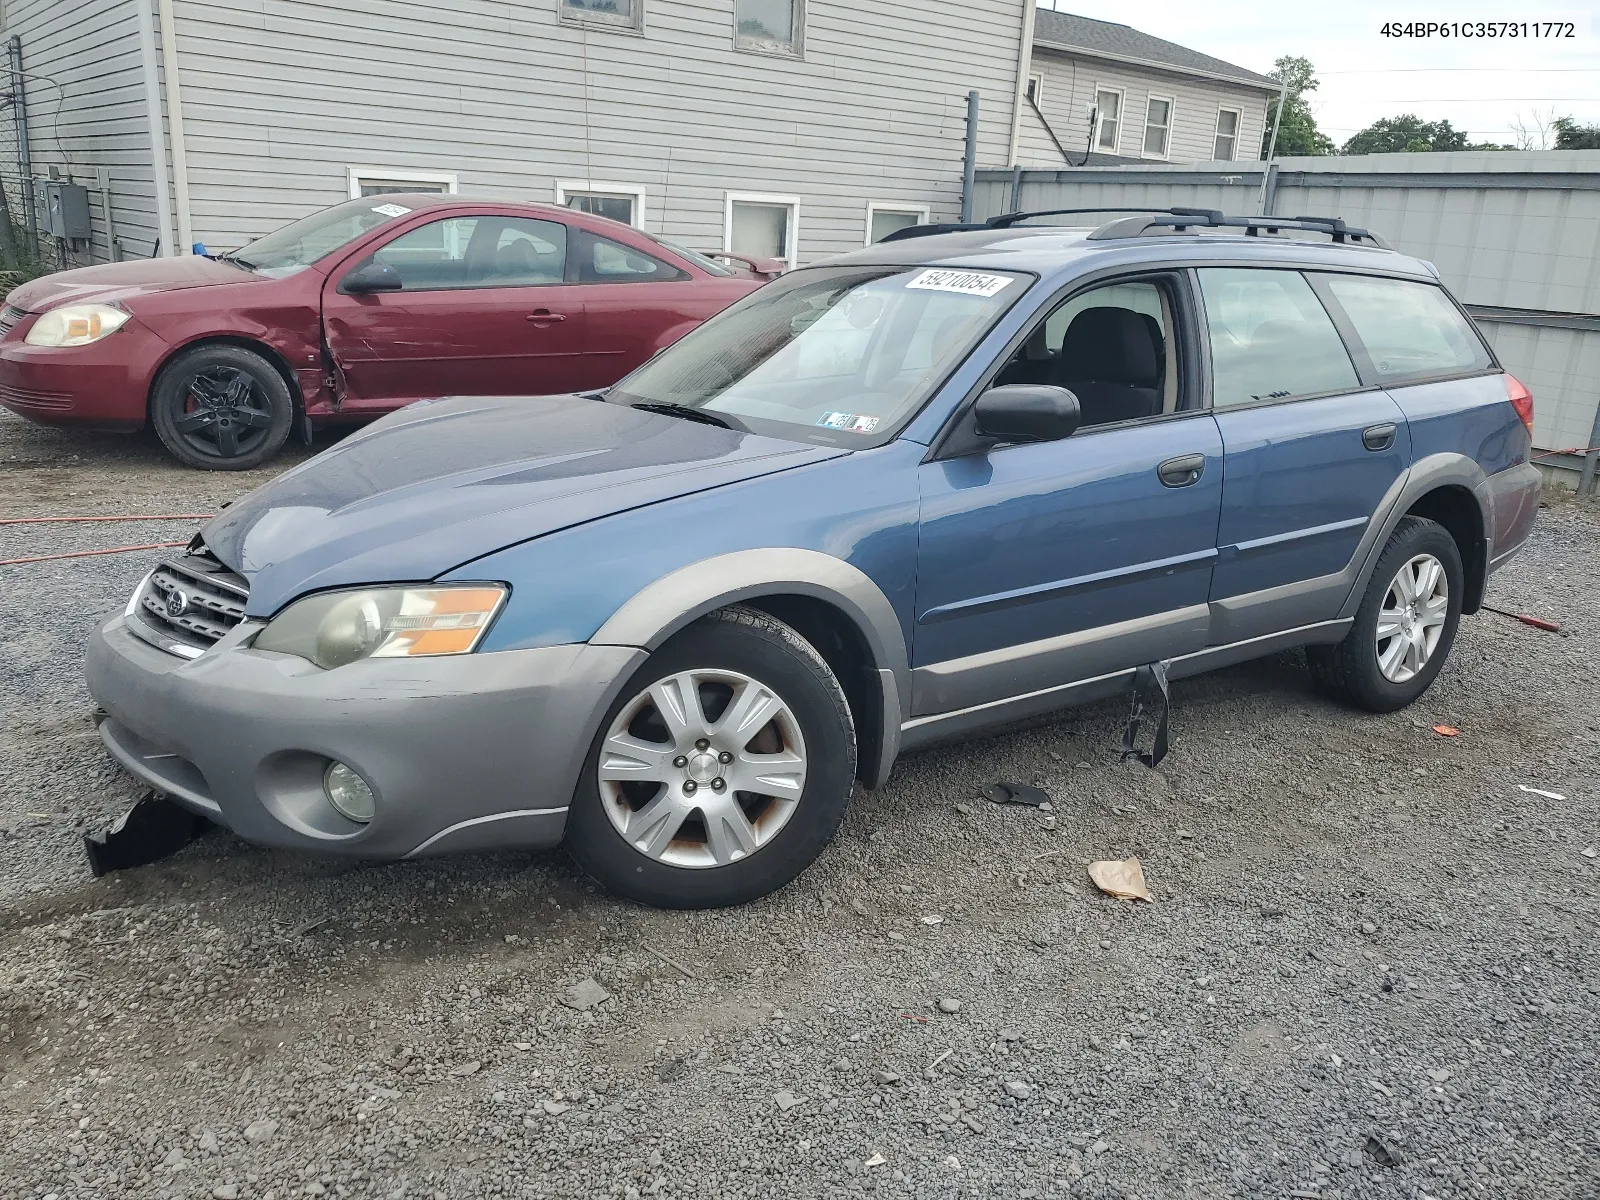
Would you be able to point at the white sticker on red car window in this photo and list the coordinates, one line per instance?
(849, 422)
(968, 283)
(391, 210)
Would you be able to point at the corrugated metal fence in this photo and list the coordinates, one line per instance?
(1515, 235)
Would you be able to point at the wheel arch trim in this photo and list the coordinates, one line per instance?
(675, 600)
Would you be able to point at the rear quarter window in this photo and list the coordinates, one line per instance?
(1410, 330)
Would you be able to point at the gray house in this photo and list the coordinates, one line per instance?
(1113, 94)
(791, 128)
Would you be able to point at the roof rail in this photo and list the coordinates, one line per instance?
(913, 231)
(1007, 220)
(1179, 220)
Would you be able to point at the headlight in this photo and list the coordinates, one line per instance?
(76, 325)
(336, 628)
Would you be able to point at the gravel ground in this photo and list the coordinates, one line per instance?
(1371, 967)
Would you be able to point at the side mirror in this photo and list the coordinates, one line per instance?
(1027, 412)
(374, 277)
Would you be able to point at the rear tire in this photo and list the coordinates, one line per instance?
(1400, 639)
(647, 826)
(221, 408)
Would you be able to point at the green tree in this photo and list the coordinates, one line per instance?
(1572, 136)
(1298, 132)
(1410, 134)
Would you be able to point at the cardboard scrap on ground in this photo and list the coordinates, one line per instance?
(1122, 878)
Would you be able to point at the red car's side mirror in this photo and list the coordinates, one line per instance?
(373, 277)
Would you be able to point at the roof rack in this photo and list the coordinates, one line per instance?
(1155, 220)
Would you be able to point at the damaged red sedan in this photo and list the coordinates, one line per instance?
(352, 312)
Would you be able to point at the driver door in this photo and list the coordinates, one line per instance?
(484, 309)
(1044, 564)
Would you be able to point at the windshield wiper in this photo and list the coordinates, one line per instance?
(237, 261)
(684, 411)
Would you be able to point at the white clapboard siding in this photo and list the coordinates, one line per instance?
(86, 113)
(281, 97)
(1068, 93)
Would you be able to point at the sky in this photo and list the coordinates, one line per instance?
(1484, 87)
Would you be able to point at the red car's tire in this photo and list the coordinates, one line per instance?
(221, 408)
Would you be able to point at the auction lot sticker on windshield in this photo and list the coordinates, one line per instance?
(849, 422)
(969, 283)
(390, 210)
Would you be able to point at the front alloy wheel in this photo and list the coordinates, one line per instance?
(702, 768)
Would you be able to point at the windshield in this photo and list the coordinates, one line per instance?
(297, 246)
(836, 355)
(709, 265)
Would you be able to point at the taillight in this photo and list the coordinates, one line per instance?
(1521, 400)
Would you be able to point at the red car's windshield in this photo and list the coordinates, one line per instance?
(297, 246)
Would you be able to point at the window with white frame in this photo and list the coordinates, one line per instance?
(884, 218)
(620, 201)
(622, 14)
(769, 26)
(1226, 144)
(1035, 87)
(1157, 126)
(761, 226)
(1108, 119)
(381, 181)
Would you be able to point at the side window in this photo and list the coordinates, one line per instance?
(1410, 329)
(1270, 338)
(478, 252)
(605, 261)
(1111, 346)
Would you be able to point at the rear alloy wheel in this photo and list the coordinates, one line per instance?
(1405, 625)
(721, 772)
(221, 408)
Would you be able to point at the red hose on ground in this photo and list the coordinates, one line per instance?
(72, 520)
(38, 558)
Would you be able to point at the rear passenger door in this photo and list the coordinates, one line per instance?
(1309, 451)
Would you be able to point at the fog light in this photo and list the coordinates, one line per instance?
(348, 792)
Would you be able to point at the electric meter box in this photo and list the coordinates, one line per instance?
(66, 206)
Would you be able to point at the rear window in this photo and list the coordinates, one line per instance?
(1411, 330)
(1271, 339)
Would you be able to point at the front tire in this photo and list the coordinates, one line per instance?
(221, 408)
(722, 770)
(1405, 626)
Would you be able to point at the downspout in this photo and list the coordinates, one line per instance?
(1267, 173)
(180, 159)
(168, 242)
(1024, 61)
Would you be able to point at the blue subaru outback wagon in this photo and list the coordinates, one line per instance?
(911, 492)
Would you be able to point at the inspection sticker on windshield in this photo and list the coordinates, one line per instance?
(848, 422)
(390, 210)
(970, 283)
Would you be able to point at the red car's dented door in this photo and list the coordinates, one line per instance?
(483, 309)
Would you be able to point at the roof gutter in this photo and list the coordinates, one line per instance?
(1260, 85)
(158, 140)
(1024, 61)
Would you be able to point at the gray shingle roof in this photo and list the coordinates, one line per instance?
(1067, 31)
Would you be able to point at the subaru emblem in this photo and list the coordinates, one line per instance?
(177, 602)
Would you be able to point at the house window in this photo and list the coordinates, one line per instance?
(769, 26)
(761, 226)
(620, 201)
(1227, 141)
(379, 181)
(626, 14)
(1108, 109)
(884, 219)
(1035, 88)
(1157, 126)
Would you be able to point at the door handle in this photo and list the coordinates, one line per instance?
(1378, 437)
(1182, 471)
(543, 316)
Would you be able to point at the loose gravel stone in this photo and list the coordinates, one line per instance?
(949, 1005)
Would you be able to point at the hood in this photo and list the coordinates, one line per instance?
(115, 282)
(443, 482)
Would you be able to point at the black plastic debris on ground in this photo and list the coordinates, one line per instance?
(152, 829)
(1016, 793)
(1380, 1154)
(1148, 677)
